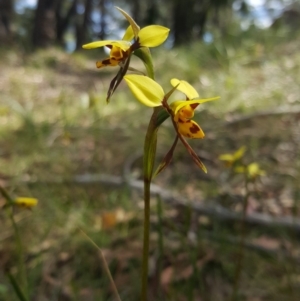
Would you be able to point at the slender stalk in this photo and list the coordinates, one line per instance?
(105, 266)
(160, 233)
(16, 287)
(145, 266)
(148, 163)
(241, 249)
(22, 269)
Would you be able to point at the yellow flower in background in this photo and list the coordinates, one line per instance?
(133, 39)
(252, 170)
(25, 202)
(151, 94)
(230, 159)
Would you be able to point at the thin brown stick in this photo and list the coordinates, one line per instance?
(274, 112)
(216, 211)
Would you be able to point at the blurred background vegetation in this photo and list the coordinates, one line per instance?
(61, 143)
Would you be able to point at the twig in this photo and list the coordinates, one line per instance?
(279, 111)
(215, 211)
(231, 240)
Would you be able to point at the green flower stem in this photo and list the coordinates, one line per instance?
(148, 164)
(241, 249)
(160, 233)
(146, 240)
(16, 287)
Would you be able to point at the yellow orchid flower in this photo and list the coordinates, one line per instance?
(184, 110)
(151, 94)
(252, 170)
(133, 39)
(25, 202)
(183, 114)
(230, 159)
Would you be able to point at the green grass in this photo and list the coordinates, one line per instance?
(55, 124)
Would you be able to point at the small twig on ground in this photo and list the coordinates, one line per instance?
(216, 211)
(279, 111)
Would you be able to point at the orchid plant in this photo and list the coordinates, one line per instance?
(252, 172)
(147, 91)
(20, 285)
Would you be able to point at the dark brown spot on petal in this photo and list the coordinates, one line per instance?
(194, 129)
(106, 62)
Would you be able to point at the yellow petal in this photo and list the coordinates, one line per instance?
(97, 44)
(124, 45)
(239, 153)
(233, 157)
(26, 202)
(185, 88)
(254, 170)
(135, 27)
(190, 129)
(153, 35)
(178, 104)
(145, 89)
(226, 157)
(128, 35)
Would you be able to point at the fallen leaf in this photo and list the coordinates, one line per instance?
(267, 242)
(166, 276)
